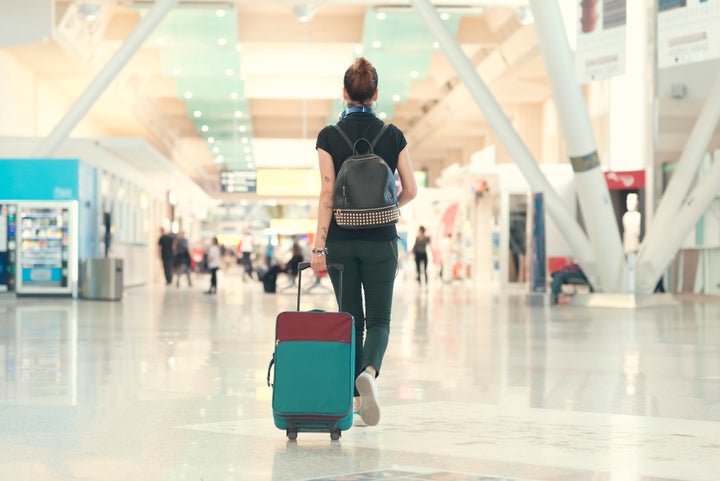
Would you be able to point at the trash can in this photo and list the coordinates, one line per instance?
(101, 279)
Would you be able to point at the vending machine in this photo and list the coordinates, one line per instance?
(47, 240)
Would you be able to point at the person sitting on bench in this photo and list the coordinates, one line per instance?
(291, 267)
(570, 274)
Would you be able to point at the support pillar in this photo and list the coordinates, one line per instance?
(590, 182)
(667, 217)
(103, 79)
(510, 139)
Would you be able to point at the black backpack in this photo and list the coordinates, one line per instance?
(365, 193)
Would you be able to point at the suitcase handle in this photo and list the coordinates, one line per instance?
(331, 265)
(272, 361)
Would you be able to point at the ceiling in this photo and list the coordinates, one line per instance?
(241, 85)
(237, 85)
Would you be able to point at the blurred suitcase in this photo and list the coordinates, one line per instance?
(314, 364)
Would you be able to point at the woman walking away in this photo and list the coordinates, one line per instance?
(213, 263)
(420, 252)
(369, 255)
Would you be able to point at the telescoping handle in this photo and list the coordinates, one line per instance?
(331, 265)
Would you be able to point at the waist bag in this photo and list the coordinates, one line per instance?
(365, 193)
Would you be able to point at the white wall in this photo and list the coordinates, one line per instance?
(697, 77)
(17, 97)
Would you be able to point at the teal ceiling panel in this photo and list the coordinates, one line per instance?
(198, 49)
(400, 47)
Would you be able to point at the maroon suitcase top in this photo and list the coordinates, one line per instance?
(314, 326)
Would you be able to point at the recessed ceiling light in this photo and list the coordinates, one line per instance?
(222, 41)
(176, 71)
(211, 140)
(204, 128)
(197, 114)
(436, 44)
(358, 48)
(377, 44)
(216, 149)
(238, 113)
(382, 115)
(444, 16)
(219, 159)
(220, 12)
(396, 98)
(234, 95)
(304, 13)
(524, 15)
(251, 165)
(244, 140)
(246, 150)
(188, 95)
(229, 72)
(248, 158)
(414, 74)
(381, 16)
(242, 128)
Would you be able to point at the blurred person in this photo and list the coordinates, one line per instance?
(214, 262)
(369, 255)
(166, 250)
(182, 258)
(420, 252)
(247, 247)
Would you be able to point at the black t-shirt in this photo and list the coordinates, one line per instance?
(357, 125)
(166, 246)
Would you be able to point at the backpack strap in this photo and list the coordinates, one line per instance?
(353, 145)
(344, 135)
(379, 134)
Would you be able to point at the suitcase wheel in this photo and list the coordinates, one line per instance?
(291, 434)
(335, 434)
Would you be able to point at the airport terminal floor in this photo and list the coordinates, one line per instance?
(170, 385)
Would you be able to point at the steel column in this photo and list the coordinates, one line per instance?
(666, 216)
(84, 103)
(590, 183)
(511, 140)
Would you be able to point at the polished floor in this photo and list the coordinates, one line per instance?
(170, 385)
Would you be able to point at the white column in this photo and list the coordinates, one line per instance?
(628, 113)
(687, 215)
(666, 216)
(511, 140)
(590, 181)
(103, 79)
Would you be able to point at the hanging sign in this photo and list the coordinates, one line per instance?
(688, 31)
(601, 40)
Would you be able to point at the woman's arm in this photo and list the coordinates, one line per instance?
(325, 206)
(407, 177)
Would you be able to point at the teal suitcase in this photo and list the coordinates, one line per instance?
(314, 363)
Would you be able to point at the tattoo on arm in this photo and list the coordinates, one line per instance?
(327, 179)
(326, 205)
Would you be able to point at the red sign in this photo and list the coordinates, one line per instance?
(632, 179)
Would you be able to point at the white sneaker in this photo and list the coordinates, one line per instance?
(369, 405)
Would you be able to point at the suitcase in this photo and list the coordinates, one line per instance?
(314, 364)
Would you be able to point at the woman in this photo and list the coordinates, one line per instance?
(214, 262)
(420, 253)
(369, 256)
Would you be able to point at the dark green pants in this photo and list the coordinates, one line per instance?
(370, 269)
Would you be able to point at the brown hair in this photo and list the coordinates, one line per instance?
(361, 81)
